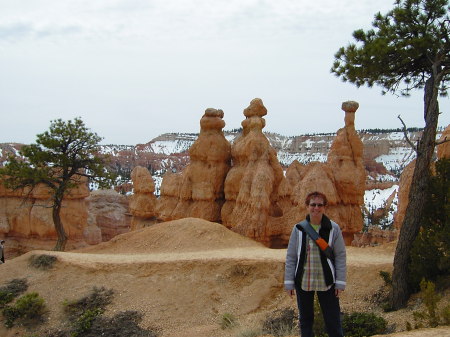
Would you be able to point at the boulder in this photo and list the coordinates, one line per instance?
(108, 216)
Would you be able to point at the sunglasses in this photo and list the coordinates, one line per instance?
(314, 205)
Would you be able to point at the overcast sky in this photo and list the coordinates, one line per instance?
(135, 69)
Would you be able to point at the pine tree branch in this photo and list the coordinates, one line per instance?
(445, 140)
(406, 135)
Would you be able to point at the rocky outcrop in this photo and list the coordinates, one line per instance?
(374, 236)
(143, 201)
(251, 186)
(27, 215)
(197, 191)
(108, 216)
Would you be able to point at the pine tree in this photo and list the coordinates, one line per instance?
(60, 157)
(407, 49)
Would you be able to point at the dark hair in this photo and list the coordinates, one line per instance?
(316, 195)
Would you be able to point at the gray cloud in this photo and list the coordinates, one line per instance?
(15, 31)
(19, 31)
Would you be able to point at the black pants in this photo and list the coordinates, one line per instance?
(331, 312)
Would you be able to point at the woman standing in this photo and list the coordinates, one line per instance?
(309, 270)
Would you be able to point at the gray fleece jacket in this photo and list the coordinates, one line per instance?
(296, 250)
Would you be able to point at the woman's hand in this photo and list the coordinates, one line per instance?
(338, 291)
(290, 292)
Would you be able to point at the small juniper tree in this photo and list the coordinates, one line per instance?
(60, 158)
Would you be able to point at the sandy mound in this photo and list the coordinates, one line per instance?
(184, 235)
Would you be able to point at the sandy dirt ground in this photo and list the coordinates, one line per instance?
(185, 275)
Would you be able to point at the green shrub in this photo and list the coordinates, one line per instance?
(282, 322)
(408, 326)
(88, 321)
(29, 308)
(430, 316)
(123, 324)
(43, 262)
(381, 296)
(228, 321)
(5, 298)
(98, 298)
(84, 322)
(446, 315)
(13, 289)
(360, 324)
(386, 276)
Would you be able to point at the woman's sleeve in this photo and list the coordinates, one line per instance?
(340, 259)
(291, 261)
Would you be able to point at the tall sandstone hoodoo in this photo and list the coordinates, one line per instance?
(251, 186)
(254, 198)
(143, 201)
(341, 179)
(346, 161)
(198, 191)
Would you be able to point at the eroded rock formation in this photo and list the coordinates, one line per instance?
(373, 237)
(254, 198)
(26, 218)
(143, 201)
(346, 161)
(198, 191)
(341, 179)
(240, 185)
(108, 216)
(251, 186)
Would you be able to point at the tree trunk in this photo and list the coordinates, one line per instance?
(62, 237)
(417, 195)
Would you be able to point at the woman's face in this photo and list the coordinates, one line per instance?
(316, 207)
